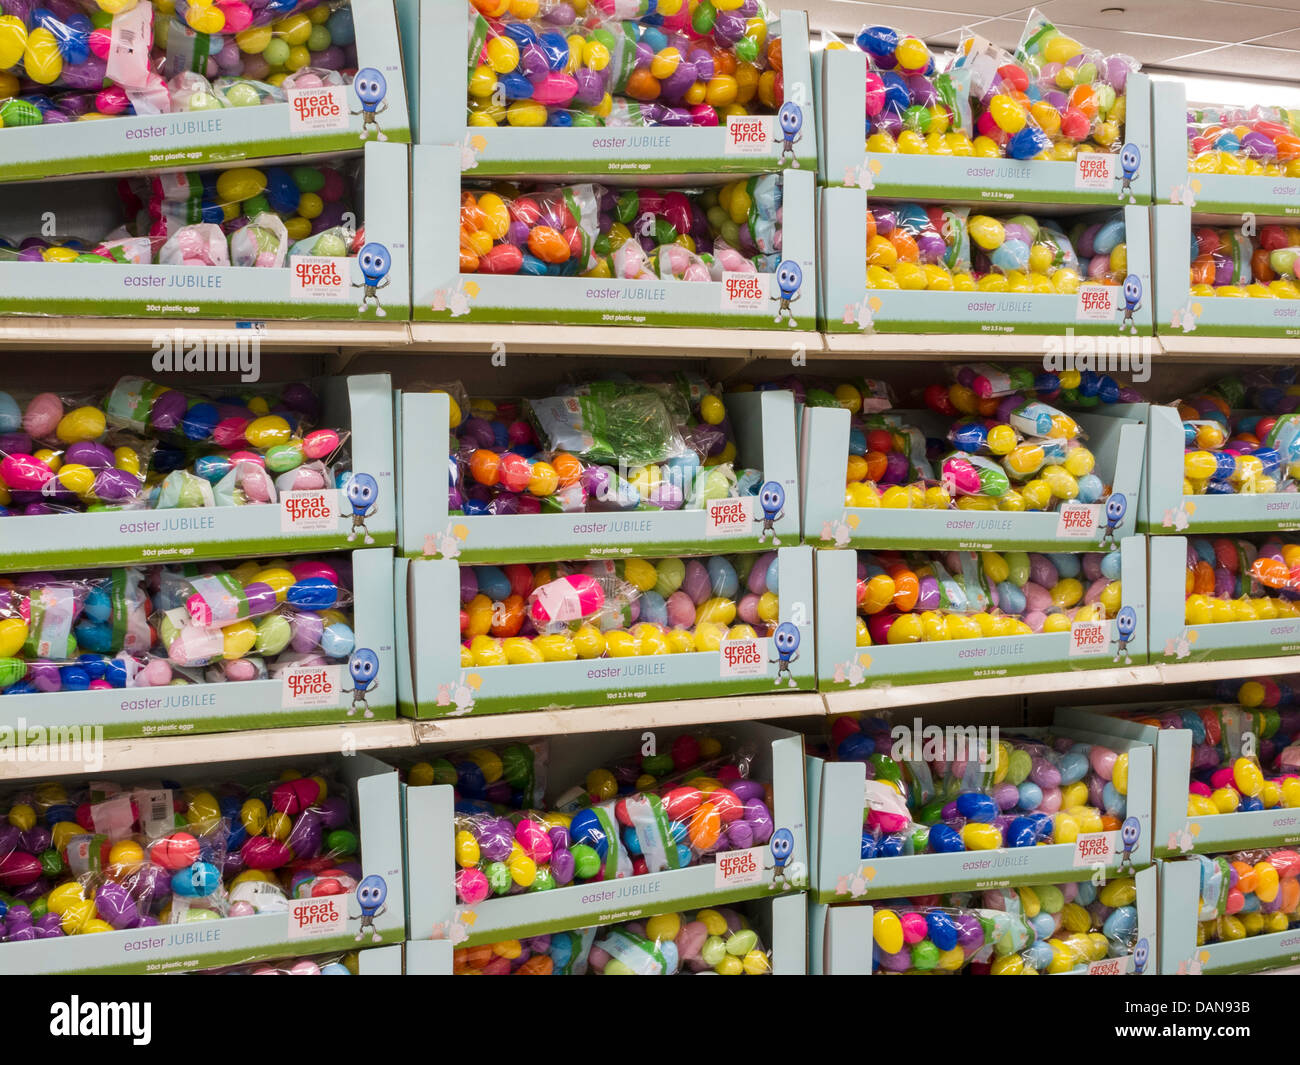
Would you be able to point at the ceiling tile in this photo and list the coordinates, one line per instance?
(1290, 39)
(1242, 60)
(841, 16)
(1214, 20)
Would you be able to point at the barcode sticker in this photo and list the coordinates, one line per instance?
(128, 49)
(157, 817)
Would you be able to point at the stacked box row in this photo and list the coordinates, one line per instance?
(624, 841)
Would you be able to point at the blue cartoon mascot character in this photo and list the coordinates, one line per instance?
(1132, 302)
(372, 899)
(789, 279)
(1130, 161)
(371, 87)
(363, 497)
(789, 121)
(1126, 622)
(1116, 508)
(786, 640)
(363, 668)
(771, 500)
(782, 849)
(375, 261)
(1129, 834)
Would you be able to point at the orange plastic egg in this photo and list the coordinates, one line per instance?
(567, 468)
(485, 467)
(877, 463)
(642, 85)
(507, 616)
(704, 827)
(548, 245)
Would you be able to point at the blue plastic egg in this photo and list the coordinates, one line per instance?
(722, 577)
(337, 640)
(1066, 565)
(1073, 766)
(11, 415)
(196, 881)
(976, 806)
(945, 840)
(1021, 833)
(942, 929)
(493, 582)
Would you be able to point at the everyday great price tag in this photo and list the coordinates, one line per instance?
(314, 918)
(748, 135)
(1092, 170)
(742, 658)
(1089, 638)
(1096, 303)
(1095, 848)
(733, 516)
(318, 277)
(312, 110)
(745, 292)
(310, 686)
(738, 868)
(1078, 521)
(314, 511)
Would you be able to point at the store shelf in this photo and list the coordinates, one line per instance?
(928, 346)
(472, 338)
(1192, 348)
(1202, 672)
(289, 743)
(621, 716)
(118, 756)
(136, 334)
(843, 702)
(76, 335)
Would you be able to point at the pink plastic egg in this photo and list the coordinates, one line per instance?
(24, 473)
(320, 444)
(42, 415)
(311, 568)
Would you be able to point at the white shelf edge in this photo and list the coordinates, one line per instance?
(659, 342)
(106, 334)
(141, 333)
(127, 755)
(941, 345)
(1200, 672)
(619, 716)
(840, 702)
(1230, 348)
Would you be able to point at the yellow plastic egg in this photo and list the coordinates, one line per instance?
(709, 636)
(520, 650)
(589, 642)
(1119, 774)
(487, 651)
(555, 647)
